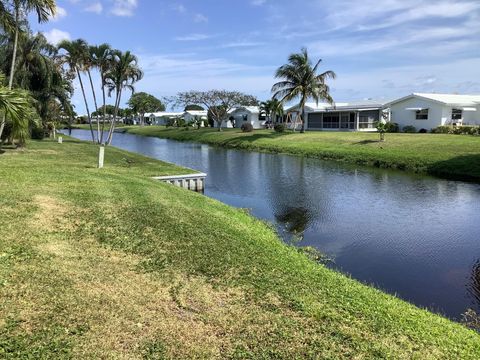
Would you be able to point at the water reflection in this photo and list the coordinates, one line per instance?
(412, 235)
(473, 287)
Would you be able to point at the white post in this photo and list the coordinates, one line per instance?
(101, 156)
(60, 140)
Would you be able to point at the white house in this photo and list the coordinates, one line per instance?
(190, 115)
(248, 115)
(351, 116)
(162, 117)
(427, 111)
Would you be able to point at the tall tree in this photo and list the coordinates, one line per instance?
(101, 57)
(123, 73)
(266, 108)
(15, 104)
(218, 102)
(300, 80)
(142, 103)
(44, 9)
(276, 109)
(76, 53)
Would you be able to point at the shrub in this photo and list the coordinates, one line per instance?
(442, 130)
(423, 131)
(280, 128)
(392, 127)
(37, 133)
(247, 127)
(170, 123)
(409, 129)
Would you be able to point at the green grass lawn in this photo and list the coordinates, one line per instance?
(451, 156)
(112, 264)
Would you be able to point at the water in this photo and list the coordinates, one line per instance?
(410, 235)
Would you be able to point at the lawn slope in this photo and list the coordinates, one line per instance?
(112, 264)
(449, 156)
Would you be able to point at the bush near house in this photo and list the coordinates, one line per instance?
(280, 128)
(457, 130)
(392, 127)
(409, 129)
(247, 127)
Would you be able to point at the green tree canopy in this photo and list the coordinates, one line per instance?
(142, 103)
(218, 102)
(193, 107)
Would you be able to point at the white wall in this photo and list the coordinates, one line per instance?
(438, 114)
(252, 118)
(471, 117)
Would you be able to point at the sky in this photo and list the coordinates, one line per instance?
(378, 49)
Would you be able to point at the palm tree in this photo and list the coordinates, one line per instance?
(44, 9)
(76, 53)
(300, 79)
(6, 19)
(102, 59)
(276, 109)
(15, 104)
(123, 73)
(266, 108)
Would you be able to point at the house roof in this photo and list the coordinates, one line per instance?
(250, 109)
(196, 112)
(165, 113)
(353, 105)
(446, 99)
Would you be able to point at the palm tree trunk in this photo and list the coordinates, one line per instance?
(12, 66)
(104, 108)
(112, 127)
(95, 102)
(86, 103)
(302, 106)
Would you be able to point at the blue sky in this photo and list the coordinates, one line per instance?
(379, 49)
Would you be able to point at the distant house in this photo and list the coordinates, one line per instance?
(190, 115)
(246, 115)
(352, 116)
(427, 111)
(162, 117)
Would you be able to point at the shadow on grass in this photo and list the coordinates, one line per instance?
(464, 167)
(365, 142)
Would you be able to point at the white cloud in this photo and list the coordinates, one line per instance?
(60, 14)
(258, 2)
(193, 37)
(180, 8)
(54, 36)
(124, 7)
(96, 8)
(200, 18)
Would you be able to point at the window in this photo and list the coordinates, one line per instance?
(421, 114)
(367, 119)
(331, 121)
(245, 117)
(347, 121)
(457, 114)
(262, 116)
(315, 121)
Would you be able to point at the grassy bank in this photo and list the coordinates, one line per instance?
(450, 156)
(111, 264)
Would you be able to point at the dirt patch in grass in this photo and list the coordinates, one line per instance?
(51, 212)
